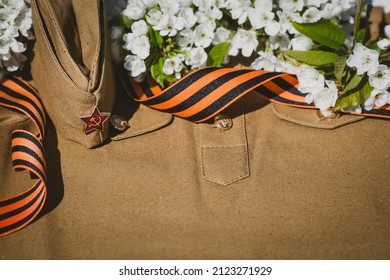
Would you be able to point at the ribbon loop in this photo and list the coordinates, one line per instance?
(27, 154)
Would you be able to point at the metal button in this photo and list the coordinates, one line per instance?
(119, 122)
(222, 122)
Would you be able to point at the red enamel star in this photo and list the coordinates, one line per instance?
(94, 121)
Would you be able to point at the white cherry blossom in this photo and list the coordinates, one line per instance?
(135, 65)
(364, 59)
(209, 15)
(4, 49)
(244, 40)
(310, 81)
(330, 11)
(383, 44)
(172, 65)
(24, 21)
(197, 58)
(203, 4)
(138, 45)
(10, 32)
(15, 23)
(239, 9)
(135, 9)
(327, 97)
(221, 35)
(344, 4)
(291, 5)
(387, 31)
(311, 15)
(285, 20)
(150, 3)
(280, 41)
(377, 98)
(380, 80)
(204, 35)
(185, 3)
(154, 17)
(284, 66)
(139, 27)
(128, 39)
(188, 16)
(16, 46)
(261, 16)
(316, 3)
(221, 3)
(169, 7)
(301, 43)
(141, 46)
(186, 38)
(266, 61)
(7, 15)
(169, 25)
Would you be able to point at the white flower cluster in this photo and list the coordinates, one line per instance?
(193, 31)
(366, 61)
(258, 29)
(283, 36)
(196, 25)
(15, 23)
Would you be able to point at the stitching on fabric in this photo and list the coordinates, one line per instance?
(245, 144)
(144, 131)
(307, 124)
(224, 183)
(100, 49)
(232, 146)
(52, 55)
(57, 28)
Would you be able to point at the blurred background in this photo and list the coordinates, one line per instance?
(383, 3)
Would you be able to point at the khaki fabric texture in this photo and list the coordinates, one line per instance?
(313, 117)
(72, 68)
(311, 194)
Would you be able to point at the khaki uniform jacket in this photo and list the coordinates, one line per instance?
(280, 184)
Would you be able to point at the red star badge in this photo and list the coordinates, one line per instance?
(94, 121)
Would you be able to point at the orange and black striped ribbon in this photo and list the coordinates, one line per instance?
(27, 154)
(205, 92)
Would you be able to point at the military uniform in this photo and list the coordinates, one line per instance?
(272, 183)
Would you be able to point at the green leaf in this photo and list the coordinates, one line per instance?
(314, 58)
(354, 83)
(354, 95)
(120, 20)
(363, 35)
(217, 54)
(157, 71)
(323, 32)
(339, 67)
(155, 38)
(170, 79)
